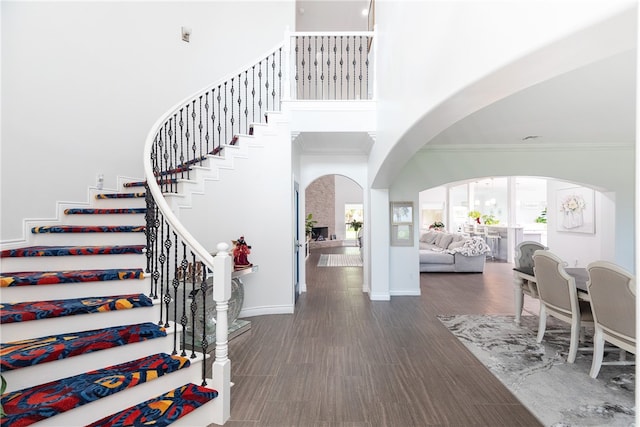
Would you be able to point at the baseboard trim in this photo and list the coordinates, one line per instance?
(405, 293)
(262, 311)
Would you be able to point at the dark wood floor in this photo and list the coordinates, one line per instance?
(343, 360)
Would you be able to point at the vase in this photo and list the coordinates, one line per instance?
(573, 219)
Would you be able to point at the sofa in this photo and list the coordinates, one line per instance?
(441, 251)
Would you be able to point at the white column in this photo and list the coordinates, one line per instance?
(379, 246)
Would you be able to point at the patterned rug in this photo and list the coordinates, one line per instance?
(339, 260)
(557, 393)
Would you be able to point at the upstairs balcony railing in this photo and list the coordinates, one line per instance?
(331, 66)
(308, 66)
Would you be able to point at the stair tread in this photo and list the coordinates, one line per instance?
(32, 251)
(63, 395)
(23, 353)
(36, 310)
(104, 211)
(24, 278)
(162, 410)
(120, 195)
(88, 229)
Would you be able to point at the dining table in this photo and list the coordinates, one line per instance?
(522, 274)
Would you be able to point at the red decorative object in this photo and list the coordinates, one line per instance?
(240, 254)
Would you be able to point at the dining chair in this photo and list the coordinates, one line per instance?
(559, 298)
(612, 291)
(523, 278)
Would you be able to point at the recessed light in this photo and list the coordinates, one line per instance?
(365, 12)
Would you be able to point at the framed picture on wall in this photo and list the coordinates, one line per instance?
(401, 214)
(576, 210)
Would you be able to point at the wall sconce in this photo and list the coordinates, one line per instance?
(186, 33)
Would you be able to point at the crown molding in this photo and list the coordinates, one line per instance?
(528, 147)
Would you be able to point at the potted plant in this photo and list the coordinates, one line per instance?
(356, 225)
(437, 226)
(475, 215)
(309, 223)
(542, 219)
(490, 220)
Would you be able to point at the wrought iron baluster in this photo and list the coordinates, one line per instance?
(165, 284)
(200, 127)
(176, 283)
(194, 145)
(347, 77)
(360, 60)
(273, 80)
(226, 141)
(309, 76)
(354, 68)
(367, 67)
(335, 67)
(184, 265)
(321, 67)
(194, 309)
(156, 268)
(180, 166)
(206, 121)
(253, 93)
(232, 92)
(246, 100)
(260, 90)
(219, 98)
(315, 64)
(161, 261)
(297, 68)
(266, 83)
(304, 76)
(239, 104)
(280, 79)
(341, 64)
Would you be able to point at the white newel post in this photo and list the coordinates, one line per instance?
(222, 268)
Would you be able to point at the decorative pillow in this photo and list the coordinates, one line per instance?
(456, 244)
(471, 247)
(444, 241)
(430, 237)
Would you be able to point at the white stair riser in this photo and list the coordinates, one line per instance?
(67, 324)
(73, 290)
(136, 202)
(73, 262)
(89, 239)
(55, 370)
(104, 219)
(124, 399)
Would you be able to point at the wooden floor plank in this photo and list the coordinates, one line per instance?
(343, 360)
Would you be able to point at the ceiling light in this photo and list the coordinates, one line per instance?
(365, 12)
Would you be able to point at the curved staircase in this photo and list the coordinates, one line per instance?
(81, 340)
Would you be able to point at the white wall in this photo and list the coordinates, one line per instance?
(83, 82)
(254, 200)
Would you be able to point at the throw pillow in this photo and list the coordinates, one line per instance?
(430, 237)
(445, 241)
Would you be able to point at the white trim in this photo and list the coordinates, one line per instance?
(405, 293)
(264, 310)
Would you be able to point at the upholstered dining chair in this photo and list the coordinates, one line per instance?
(559, 298)
(523, 278)
(612, 291)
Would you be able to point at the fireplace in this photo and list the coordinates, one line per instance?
(320, 233)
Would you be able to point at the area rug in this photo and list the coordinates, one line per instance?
(559, 394)
(339, 260)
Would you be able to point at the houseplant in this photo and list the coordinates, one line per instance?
(437, 226)
(309, 223)
(356, 225)
(475, 215)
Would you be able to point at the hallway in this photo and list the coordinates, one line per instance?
(343, 360)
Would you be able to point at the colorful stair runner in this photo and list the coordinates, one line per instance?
(161, 411)
(63, 395)
(20, 354)
(71, 250)
(120, 195)
(35, 310)
(104, 211)
(27, 278)
(88, 229)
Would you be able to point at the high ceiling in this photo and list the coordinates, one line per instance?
(591, 105)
